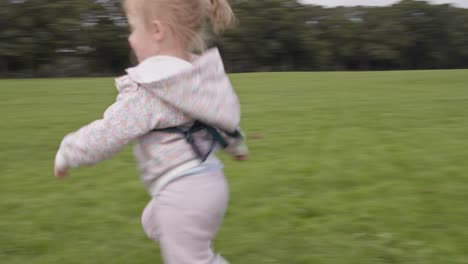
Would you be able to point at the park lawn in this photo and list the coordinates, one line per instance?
(345, 167)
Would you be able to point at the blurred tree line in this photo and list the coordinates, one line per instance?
(89, 38)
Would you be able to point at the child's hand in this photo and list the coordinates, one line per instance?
(241, 157)
(60, 173)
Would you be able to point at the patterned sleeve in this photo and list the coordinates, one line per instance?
(127, 119)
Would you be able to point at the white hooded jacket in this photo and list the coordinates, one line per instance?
(160, 92)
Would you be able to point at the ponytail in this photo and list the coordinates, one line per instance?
(187, 18)
(221, 15)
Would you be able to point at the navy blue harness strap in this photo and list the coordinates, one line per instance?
(199, 126)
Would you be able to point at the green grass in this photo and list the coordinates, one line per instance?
(349, 168)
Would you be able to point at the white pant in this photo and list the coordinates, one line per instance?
(185, 216)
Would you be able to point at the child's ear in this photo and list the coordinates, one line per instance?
(157, 30)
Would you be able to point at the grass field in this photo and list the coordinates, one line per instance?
(352, 168)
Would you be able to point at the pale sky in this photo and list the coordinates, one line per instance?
(331, 3)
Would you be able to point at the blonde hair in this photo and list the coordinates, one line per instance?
(188, 19)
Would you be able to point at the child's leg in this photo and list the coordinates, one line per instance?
(185, 216)
(148, 221)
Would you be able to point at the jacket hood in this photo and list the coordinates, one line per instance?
(200, 89)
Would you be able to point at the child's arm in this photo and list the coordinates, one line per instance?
(128, 118)
(237, 147)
